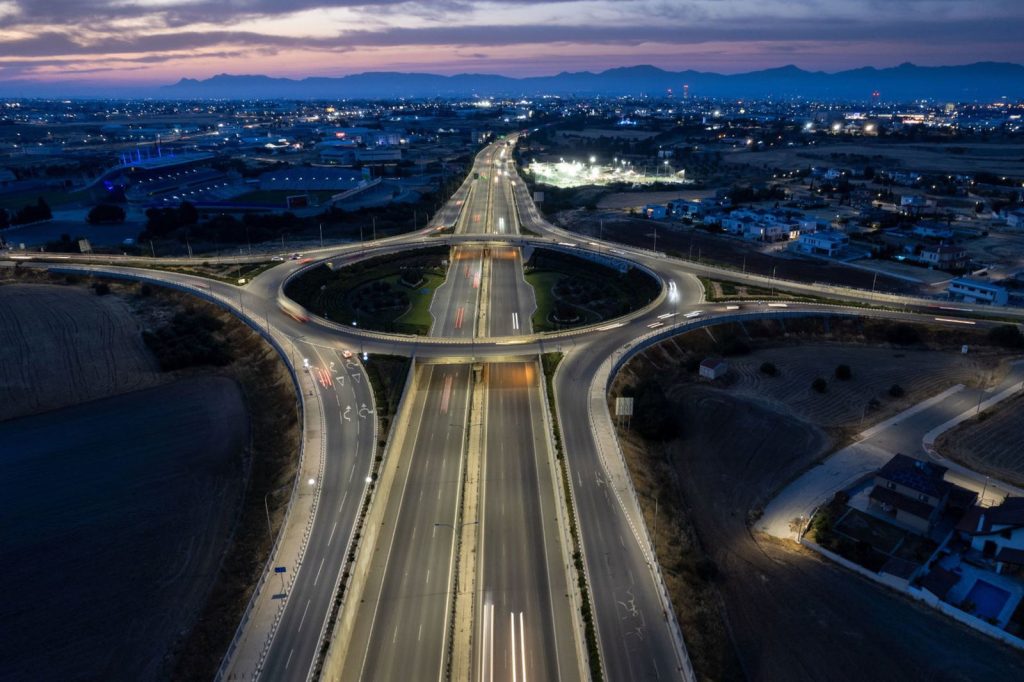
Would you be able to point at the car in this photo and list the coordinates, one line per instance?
(277, 259)
(296, 256)
(346, 353)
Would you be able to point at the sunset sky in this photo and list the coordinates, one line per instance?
(160, 41)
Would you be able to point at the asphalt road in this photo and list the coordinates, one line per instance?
(349, 429)
(524, 622)
(401, 624)
(456, 303)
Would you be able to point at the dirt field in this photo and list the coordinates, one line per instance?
(991, 445)
(687, 242)
(757, 609)
(122, 510)
(998, 158)
(639, 199)
(62, 345)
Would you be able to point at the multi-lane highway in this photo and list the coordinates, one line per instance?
(401, 624)
(523, 624)
(346, 401)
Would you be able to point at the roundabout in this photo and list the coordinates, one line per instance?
(455, 426)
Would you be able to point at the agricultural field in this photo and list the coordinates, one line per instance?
(118, 523)
(990, 445)
(997, 158)
(62, 345)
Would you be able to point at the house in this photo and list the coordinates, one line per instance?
(766, 232)
(912, 492)
(712, 368)
(932, 230)
(1015, 219)
(655, 211)
(828, 243)
(682, 208)
(944, 257)
(997, 532)
(976, 291)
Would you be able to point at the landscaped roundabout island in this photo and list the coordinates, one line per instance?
(393, 293)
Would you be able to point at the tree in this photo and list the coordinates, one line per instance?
(844, 373)
(819, 385)
(105, 213)
(1006, 336)
(770, 369)
(652, 412)
(896, 391)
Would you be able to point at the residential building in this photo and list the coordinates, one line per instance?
(944, 257)
(828, 243)
(767, 232)
(912, 492)
(976, 291)
(655, 211)
(1015, 219)
(713, 368)
(930, 230)
(997, 533)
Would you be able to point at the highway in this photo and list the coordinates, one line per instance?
(401, 621)
(524, 619)
(349, 445)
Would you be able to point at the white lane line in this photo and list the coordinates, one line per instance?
(342, 501)
(522, 645)
(331, 536)
(512, 617)
(290, 652)
(318, 572)
(303, 619)
(428, 577)
(419, 635)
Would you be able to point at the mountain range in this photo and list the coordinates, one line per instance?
(982, 81)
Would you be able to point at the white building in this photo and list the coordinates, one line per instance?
(997, 532)
(828, 243)
(976, 291)
(712, 368)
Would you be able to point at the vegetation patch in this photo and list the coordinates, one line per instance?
(390, 293)
(572, 291)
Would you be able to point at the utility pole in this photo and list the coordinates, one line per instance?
(321, 235)
(374, 219)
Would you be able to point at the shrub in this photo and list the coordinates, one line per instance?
(844, 373)
(1006, 336)
(770, 369)
(896, 391)
(903, 335)
(819, 385)
(101, 288)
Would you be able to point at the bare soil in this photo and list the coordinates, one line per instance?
(696, 244)
(116, 527)
(999, 158)
(990, 445)
(62, 345)
(755, 608)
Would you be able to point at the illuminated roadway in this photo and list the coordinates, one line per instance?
(637, 638)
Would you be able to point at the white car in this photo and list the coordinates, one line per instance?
(346, 353)
(277, 259)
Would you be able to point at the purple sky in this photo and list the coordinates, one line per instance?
(159, 41)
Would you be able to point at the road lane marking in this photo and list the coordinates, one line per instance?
(317, 578)
(331, 536)
(290, 652)
(303, 619)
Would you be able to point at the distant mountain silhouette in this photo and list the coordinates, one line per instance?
(980, 81)
(983, 81)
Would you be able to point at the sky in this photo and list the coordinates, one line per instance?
(155, 42)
